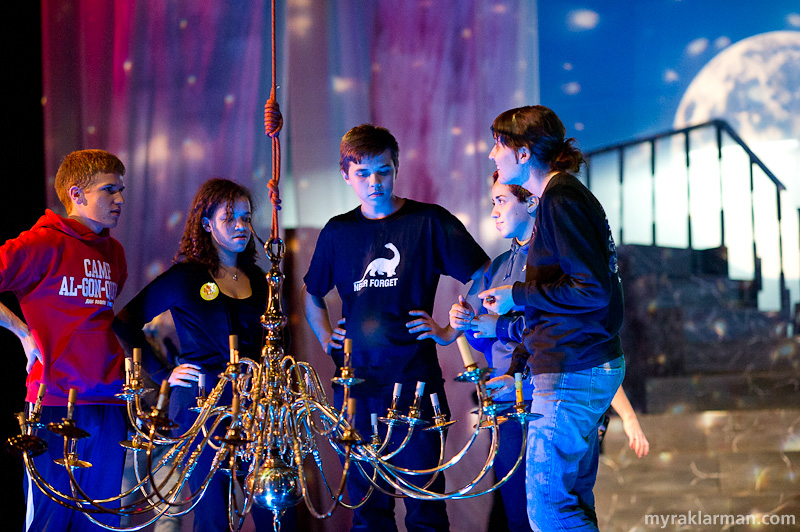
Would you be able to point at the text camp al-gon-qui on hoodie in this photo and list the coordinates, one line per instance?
(66, 278)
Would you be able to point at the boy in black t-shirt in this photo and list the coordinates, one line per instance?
(385, 258)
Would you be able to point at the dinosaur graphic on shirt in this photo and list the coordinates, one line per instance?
(380, 266)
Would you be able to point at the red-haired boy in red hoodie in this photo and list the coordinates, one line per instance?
(66, 274)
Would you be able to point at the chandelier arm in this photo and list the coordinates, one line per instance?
(69, 444)
(386, 439)
(373, 486)
(288, 425)
(141, 483)
(337, 499)
(442, 466)
(405, 441)
(312, 381)
(75, 503)
(338, 419)
(223, 414)
(81, 504)
(390, 473)
(174, 491)
(520, 461)
(134, 408)
(134, 528)
(325, 412)
(55, 495)
(209, 408)
(400, 484)
(232, 504)
(251, 376)
(188, 469)
(441, 459)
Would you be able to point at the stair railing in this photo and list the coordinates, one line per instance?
(721, 128)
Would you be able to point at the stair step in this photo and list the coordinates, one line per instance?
(748, 390)
(637, 260)
(753, 354)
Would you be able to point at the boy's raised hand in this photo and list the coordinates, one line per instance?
(461, 314)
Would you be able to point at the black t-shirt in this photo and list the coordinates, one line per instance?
(204, 317)
(382, 269)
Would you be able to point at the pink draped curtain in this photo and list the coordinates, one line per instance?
(177, 90)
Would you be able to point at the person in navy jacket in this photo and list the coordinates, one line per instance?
(572, 296)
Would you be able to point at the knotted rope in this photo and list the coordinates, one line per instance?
(273, 122)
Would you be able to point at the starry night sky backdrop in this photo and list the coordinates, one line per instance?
(177, 90)
(616, 71)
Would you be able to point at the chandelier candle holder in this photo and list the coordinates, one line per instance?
(266, 440)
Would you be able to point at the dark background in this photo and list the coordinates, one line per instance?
(24, 199)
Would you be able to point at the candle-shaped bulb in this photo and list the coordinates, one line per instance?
(351, 408)
(396, 395)
(437, 411)
(137, 362)
(233, 344)
(348, 345)
(37, 407)
(466, 351)
(398, 387)
(373, 418)
(71, 398)
(128, 370)
(518, 386)
(420, 389)
(201, 385)
(162, 394)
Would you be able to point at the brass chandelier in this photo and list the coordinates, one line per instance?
(279, 410)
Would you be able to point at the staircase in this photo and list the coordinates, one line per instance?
(708, 324)
(713, 360)
(695, 339)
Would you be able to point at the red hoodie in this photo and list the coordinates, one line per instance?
(66, 278)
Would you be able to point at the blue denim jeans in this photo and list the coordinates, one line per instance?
(563, 449)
